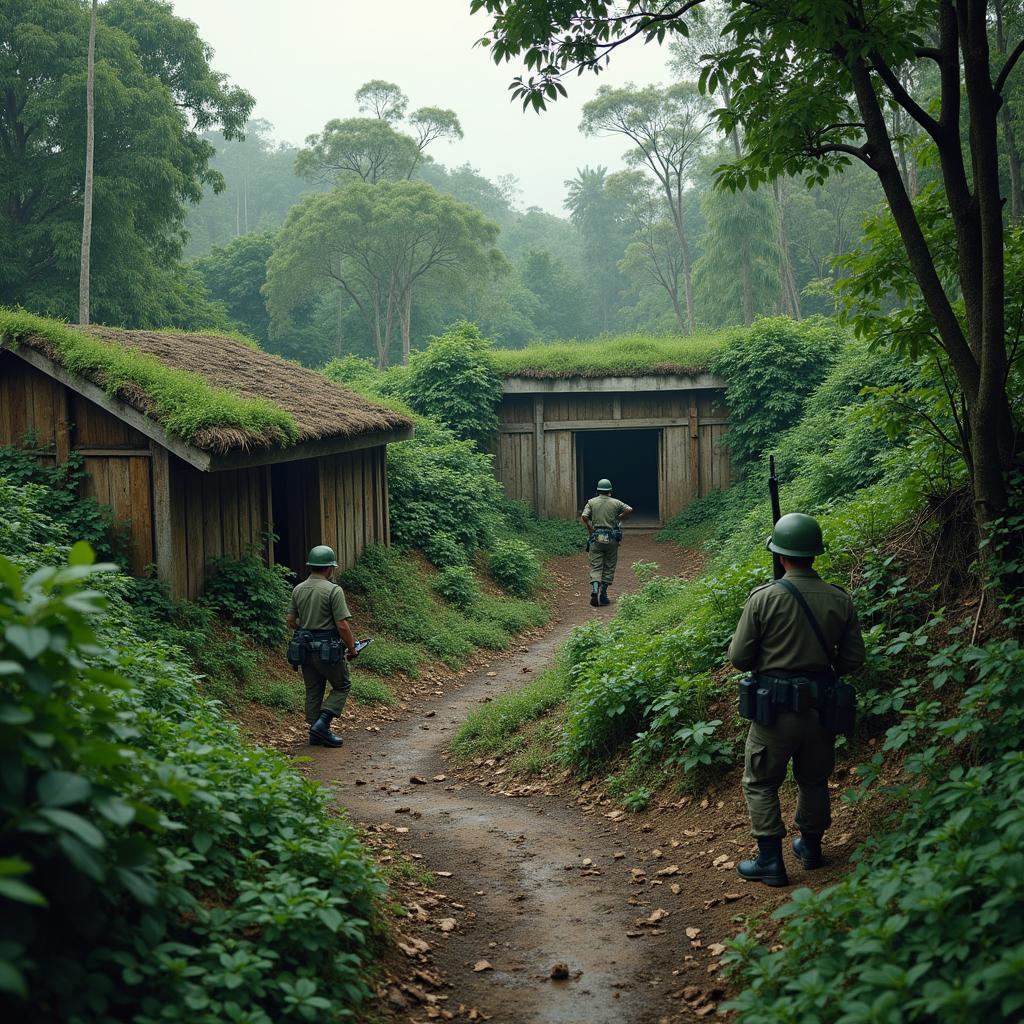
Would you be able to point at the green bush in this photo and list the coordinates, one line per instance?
(154, 866)
(454, 381)
(549, 537)
(444, 550)
(367, 690)
(458, 586)
(254, 596)
(514, 567)
(386, 656)
(770, 370)
(279, 694)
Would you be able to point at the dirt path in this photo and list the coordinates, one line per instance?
(527, 881)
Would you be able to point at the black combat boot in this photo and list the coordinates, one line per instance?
(320, 734)
(807, 847)
(769, 866)
(604, 599)
(594, 588)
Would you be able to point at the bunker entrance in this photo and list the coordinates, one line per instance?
(629, 458)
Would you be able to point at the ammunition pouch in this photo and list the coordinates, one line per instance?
(604, 536)
(762, 697)
(839, 709)
(322, 643)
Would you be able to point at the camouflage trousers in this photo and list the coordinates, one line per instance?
(603, 558)
(316, 674)
(802, 739)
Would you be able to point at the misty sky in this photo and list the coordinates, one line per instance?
(304, 59)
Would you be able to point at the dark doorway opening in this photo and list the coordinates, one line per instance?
(629, 458)
(295, 513)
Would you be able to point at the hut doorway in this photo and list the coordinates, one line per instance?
(630, 459)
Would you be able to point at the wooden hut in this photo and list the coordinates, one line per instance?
(225, 489)
(658, 436)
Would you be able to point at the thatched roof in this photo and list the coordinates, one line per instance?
(320, 409)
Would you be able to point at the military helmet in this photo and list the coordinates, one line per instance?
(604, 484)
(321, 557)
(797, 536)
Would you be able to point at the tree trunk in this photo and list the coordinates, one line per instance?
(406, 324)
(1009, 135)
(691, 323)
(748, 284)
(90, 142)
(790, 296)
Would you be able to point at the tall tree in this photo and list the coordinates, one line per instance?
(153, 87)
(598, 217)
(810, 93)
(653, 255)
(378, 244)
(668, 128)
(90, 145)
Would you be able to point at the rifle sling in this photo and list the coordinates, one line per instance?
(800, 600)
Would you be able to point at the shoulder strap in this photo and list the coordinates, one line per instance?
(800, 600)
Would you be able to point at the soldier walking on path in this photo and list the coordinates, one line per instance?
(601, 516)
(796, 644)
(319, 614)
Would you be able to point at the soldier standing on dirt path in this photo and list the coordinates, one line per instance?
(777, 642)
(319, 614)
(601, 516)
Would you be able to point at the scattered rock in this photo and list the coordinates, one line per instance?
(559, 972)
(418, 780)
(447, 924)
(482, 965)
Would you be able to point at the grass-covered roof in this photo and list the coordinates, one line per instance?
(628, 355)
(217, 392)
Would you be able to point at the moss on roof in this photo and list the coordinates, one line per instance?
(627, 355)
(219, 393)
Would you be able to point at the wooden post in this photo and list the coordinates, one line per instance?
(538, 454)
(694, 450)
(170, 564)
(62, 427)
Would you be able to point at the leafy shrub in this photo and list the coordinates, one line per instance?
(153, 865)
(770, 370)
(275, 693)
(386, 656)
(514, 567)
(353, 372)
(444, 550)
(454, 381)
(458, 586)
(368, 690)
(84, 518)
(252, 595)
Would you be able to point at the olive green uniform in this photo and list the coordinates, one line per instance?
(603, 512)
(774, 638)
(319, 605)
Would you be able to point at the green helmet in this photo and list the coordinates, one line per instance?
(604, 484)
(321, 557)
(796, 535)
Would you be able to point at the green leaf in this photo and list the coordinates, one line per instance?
(14, 889)
(31, 641)
(12, 980)
(81, 554)
(76, 825)
(59, 789)
(82, 858)
(202, 841)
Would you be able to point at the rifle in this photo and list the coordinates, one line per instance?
(773, 491)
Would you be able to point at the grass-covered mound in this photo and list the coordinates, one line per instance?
(625, 355)
(153, 865)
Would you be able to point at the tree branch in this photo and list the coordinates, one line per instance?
(1018, 51)
(904, 99)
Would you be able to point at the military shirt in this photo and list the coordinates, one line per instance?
(604, 511)
(773, 634)
(317, 603)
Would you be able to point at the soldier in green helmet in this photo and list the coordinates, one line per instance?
(794, 661)
(319, 614)
(602, 516)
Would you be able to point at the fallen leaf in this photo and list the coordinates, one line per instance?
(716, 948)
(692, 933)
(656, 916)
(483, 965)
(720, 860)
(447, 924)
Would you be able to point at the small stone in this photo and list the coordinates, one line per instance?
(559, 971)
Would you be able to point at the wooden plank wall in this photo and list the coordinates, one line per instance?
(211, 515)
(31, 404)
(354, 502)
(694, 458)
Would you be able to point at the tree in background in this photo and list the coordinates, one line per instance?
(234, 275)
(155, 92)
(374, 148)
(90, 145)
(741, 231)
(378, 244)
(562, 310)
(811, 95)
(668, 128)
(599, 219)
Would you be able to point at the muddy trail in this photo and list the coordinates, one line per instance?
(530, 876)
